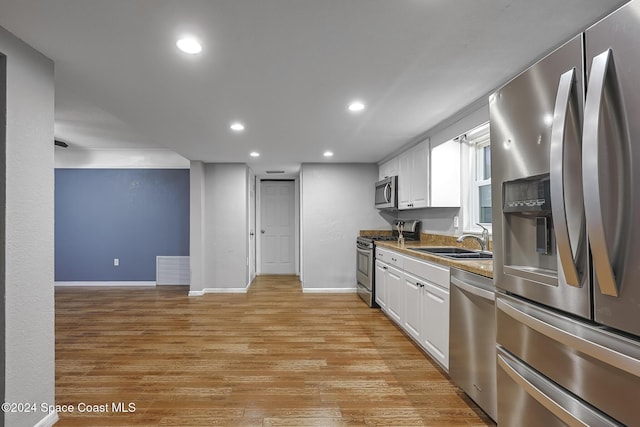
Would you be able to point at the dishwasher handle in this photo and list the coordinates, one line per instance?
(480, 292)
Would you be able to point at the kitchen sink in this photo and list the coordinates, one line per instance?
(456, 253)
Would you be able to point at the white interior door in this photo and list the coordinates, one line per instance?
(277, 221)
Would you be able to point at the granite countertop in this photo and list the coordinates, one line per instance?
(481, 267)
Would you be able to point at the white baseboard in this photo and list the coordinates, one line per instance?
(49, 420)
(105, 283)
(218, 291)
(329, 290)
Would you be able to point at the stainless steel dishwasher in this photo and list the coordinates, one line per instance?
(472, 338)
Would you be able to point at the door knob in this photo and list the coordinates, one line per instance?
(262, 231)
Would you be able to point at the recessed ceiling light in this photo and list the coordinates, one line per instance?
(328, 154)
(254, 154)
(237, 127)
(189, 45)
(356, 106)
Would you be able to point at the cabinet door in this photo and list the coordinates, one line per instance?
(445, 175)
(381, 284)
(395, 300)
(435, 321)
(420, 176)
(405, 170)
(388, 168)
(413, 306)
(413, 177)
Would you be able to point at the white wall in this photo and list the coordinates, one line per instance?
(219, 235)
(28, 233)
(226, 225)
(67, 158)
(464, 124)
(196, 226)
(337, 202)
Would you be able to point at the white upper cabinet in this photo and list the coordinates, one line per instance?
(428, 175)
(445, 174)
(413, 177)
(388, 168)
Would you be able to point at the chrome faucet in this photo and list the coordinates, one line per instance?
(483, 241)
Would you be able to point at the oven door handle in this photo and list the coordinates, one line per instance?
(365, 251)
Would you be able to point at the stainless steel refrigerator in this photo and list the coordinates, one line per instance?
(565, 146)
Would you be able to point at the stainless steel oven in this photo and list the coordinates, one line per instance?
(365, 256)
(364, 270)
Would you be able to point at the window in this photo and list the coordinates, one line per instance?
(480, 178)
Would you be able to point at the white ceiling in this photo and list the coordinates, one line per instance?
(286, 68)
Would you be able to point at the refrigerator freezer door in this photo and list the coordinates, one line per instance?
(594, 364)
(523, 120)
(541, 402)
(611, 164)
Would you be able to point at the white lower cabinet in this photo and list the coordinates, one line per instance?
(435, 318)
(413, 307)
(388, 290)
(417, 298)
(381, 284)
(395, 300)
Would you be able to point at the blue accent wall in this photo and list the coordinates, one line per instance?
(130, 214)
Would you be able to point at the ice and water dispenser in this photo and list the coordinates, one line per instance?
(529, 240)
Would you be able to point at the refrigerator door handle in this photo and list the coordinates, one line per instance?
(559, 333)
(557, 174)
(602, 259)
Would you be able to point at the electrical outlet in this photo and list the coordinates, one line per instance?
(456, 222)
(116, 262)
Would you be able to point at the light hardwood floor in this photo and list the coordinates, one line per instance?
(271, 357)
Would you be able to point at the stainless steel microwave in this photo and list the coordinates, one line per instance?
(387, 193)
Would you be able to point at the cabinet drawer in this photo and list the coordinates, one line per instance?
(390, 257)
(434, 273)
